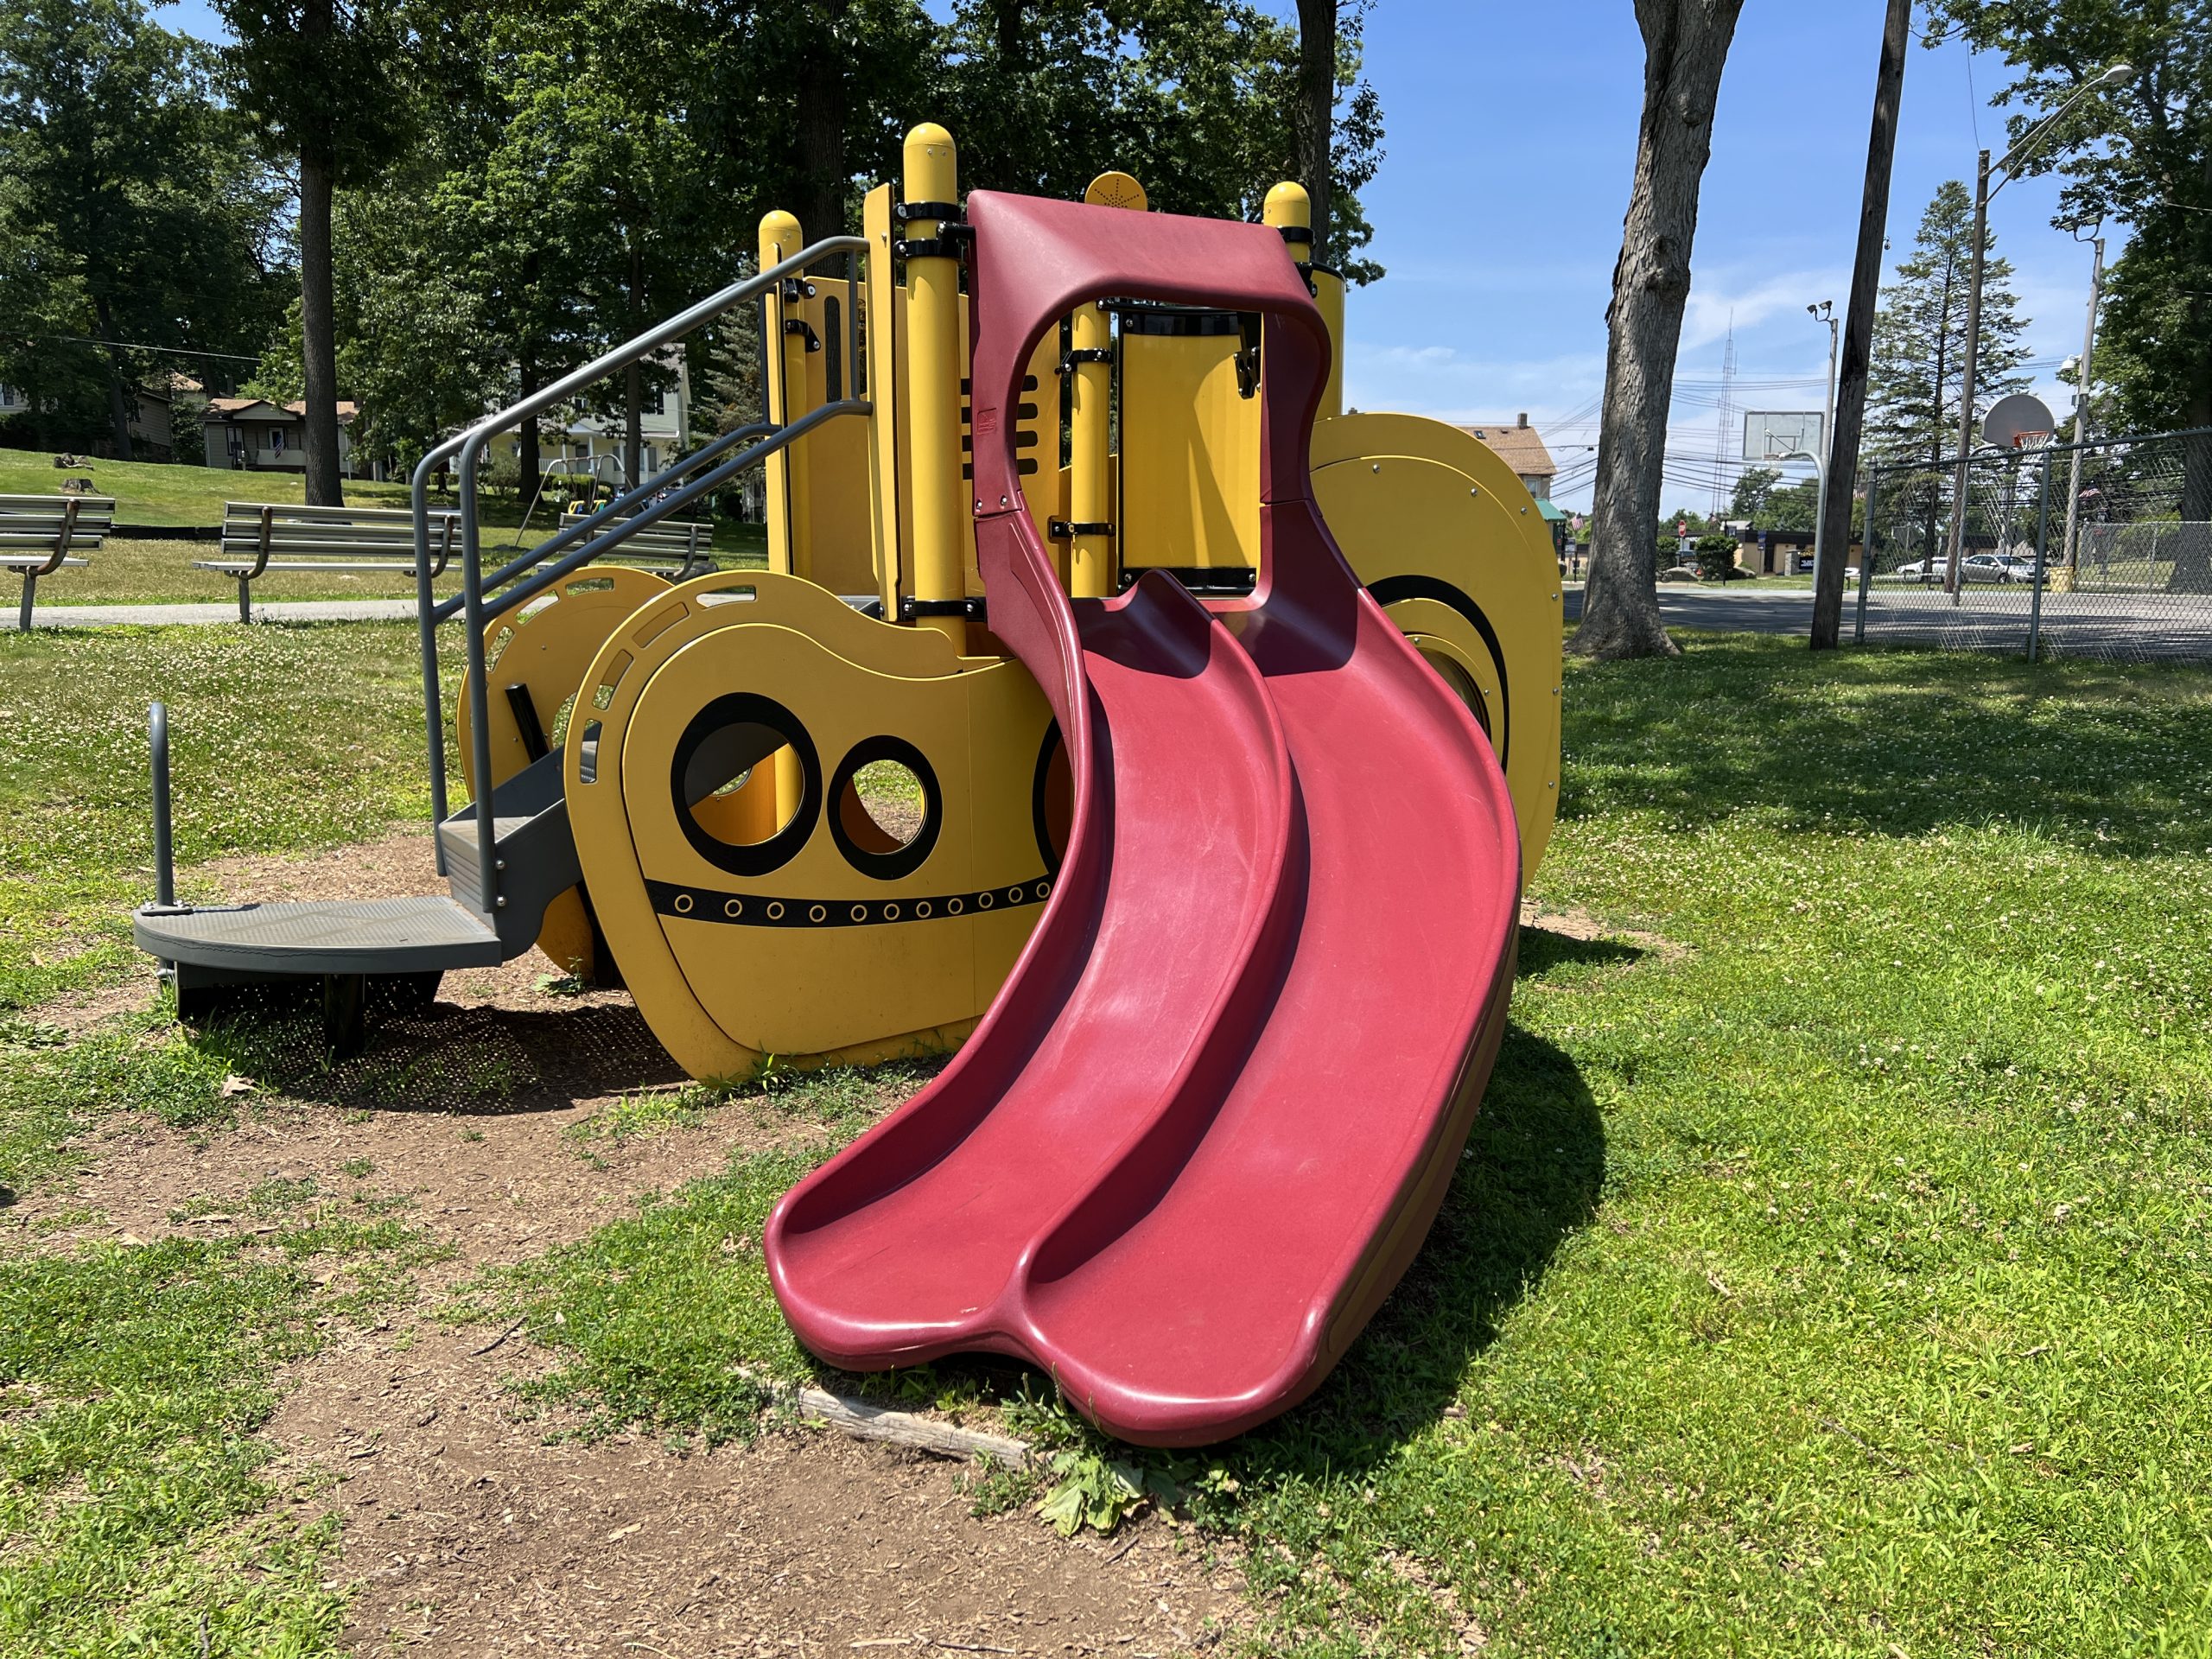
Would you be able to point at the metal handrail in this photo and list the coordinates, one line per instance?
(468, 448)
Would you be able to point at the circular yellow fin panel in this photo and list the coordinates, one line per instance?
(1451, 546)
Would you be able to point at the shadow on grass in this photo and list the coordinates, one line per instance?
(1544, 950)
(1530, 1178)
(444, 1057)
(1893, 742)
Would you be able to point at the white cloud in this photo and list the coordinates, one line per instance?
(1715, 305)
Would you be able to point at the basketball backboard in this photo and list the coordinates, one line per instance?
(1770, 435)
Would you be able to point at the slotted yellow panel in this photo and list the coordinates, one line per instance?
(1190, 448)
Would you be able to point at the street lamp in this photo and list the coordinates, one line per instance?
(1983, 190)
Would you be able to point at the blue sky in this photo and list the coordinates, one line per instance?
(1510, 134)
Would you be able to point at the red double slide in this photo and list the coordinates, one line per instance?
(1211, 1116)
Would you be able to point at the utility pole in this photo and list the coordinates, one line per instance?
(2008, 166)
(1824, 311)
(2081, 406)
(1849, 401)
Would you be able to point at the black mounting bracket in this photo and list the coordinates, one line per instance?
(953, 231)
(1060, 530)
(910, 607)
(1084, 354)
(801, 325)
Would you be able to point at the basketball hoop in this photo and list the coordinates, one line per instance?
(2020, 422)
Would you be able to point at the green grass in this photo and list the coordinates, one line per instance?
(283, 739)
(135, 1513)
(1826, 1273)
(149, 492)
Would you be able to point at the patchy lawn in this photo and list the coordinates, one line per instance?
(1825, 1273)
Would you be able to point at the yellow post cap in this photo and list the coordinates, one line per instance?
(1287, 204)
(1116, 190)
(931, 164)
(779, 236)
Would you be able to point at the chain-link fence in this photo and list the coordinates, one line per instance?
(2096, 550)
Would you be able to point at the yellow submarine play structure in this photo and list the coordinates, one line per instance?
(867, 643)
(1115, 711)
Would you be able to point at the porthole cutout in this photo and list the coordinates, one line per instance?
(887, 809)
(1051, 798)
(1462, 686)
(732, 778)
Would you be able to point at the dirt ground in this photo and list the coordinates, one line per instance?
(464, 1530)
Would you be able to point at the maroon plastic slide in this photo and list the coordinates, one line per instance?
(1213, 1111)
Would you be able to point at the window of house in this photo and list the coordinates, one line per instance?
(276, 440)
(655, 401)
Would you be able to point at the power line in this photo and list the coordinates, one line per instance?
(147, 346)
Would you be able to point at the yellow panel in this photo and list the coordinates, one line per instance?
(719, 990)
(1190, 454)
(886, 380)
(1425, 510)
(836, 547)
(545, 646)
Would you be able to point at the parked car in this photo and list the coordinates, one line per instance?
(1918, 570)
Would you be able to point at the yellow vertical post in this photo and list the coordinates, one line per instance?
(1288, 208)
(1090, 552)
(1090, 497)
(784, 361)
(934, 356)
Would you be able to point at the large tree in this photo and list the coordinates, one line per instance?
(1685, 46)
(1920, 334)
(137, 232)
(327, 84)
(2139, 154)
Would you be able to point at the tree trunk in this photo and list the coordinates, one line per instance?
(633, 378)
(1005, 27)
(1859, 332)
(118, 386)
(824, 182)
(1316, 110)
(318, 337)
(1685, 46)
(528, 468)
(318, 320)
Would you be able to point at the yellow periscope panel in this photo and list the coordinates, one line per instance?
(817, 938)
(544, 646)
(1451, 544)
(1189, 455)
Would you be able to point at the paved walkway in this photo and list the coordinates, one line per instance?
(297, 610)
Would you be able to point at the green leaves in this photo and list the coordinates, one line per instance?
(1091, 1490)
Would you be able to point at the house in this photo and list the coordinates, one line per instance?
(253, 435)
(593, 442)
(151, 438)
(1518, 445)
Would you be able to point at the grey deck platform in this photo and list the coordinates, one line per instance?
(368, 936)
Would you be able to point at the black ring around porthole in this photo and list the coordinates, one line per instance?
(888, 866)
(748, 709)
(1040, 821)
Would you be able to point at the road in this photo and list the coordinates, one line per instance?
(2168, 626)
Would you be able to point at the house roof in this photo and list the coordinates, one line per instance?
(1518, 444)
(232, 408)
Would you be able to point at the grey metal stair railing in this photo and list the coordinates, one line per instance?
(467, 449)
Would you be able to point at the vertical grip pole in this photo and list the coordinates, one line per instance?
(935, 351)
(157, 737)
(1090, 552)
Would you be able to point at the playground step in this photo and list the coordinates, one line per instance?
(427, 934)
(534, 849)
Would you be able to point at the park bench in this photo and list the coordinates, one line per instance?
(41, 534)
(260, 538)
(675, 548)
